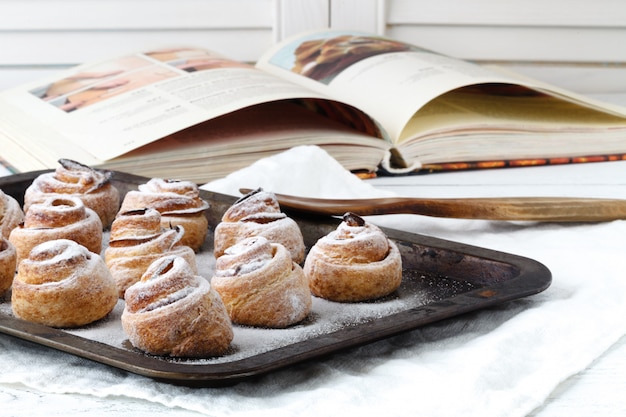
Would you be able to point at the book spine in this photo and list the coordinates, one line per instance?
(465, 166)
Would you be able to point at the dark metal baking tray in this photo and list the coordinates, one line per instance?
(441, 279)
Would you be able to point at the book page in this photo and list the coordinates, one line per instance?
(387, 79)
(215, 148)
(560, 93)
(503, 122)
(391, 80)
(489, 108)
(110, 108)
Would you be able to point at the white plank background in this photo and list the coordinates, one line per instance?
(577, 44)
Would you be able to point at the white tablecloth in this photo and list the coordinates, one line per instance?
(503, 361)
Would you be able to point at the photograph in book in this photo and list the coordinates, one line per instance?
(373, 103)
(321, 59)
(109, 79)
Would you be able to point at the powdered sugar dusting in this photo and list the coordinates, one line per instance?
(170, 299)
(325, 317)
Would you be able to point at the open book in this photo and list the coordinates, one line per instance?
(373, 103)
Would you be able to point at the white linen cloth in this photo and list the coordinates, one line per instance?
(502, 361)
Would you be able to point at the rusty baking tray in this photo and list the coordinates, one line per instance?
(441, 279)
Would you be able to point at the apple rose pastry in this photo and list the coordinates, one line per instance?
(57, 218)
(92, 186)
(171, 311)
(11, 214)
(261, 285)
(178, 202)
(62, 284)
(8, 263)
(258, 214)
(355, 262)
(137, 239)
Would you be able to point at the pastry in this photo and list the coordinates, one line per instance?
(137, 239)
(8, 262)
(11, 214)
(178, 202)
(261, 285)
(92, 186)
(258, 214)
(57, 218)
(62, 284)
(355, 262)
(172, 311)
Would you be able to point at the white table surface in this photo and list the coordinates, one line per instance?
(598, 390)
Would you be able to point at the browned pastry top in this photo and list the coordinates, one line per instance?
(11, 214)
(92, 186)
(166, 196)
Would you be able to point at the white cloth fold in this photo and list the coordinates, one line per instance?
(303, 170)
(502, 361)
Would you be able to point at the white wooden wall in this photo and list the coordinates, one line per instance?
(578, 44)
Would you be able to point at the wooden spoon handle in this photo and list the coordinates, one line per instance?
(554, 209)
(545, 209)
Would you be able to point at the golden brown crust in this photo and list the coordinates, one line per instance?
(260, 284)
(258, 214)
(171, 311)
(178, 202)
(62, 284)
(11, 214)
(57, 218)
(92, 186)
(8, 264)
(356, 262)
(137, 239)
